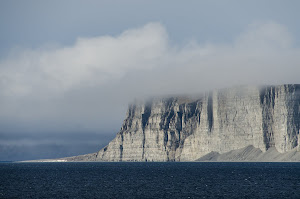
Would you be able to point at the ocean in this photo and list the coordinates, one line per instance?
(150, 180)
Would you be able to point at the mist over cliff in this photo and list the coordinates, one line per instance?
(186, 129)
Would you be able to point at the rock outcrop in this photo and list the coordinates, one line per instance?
(186, 129)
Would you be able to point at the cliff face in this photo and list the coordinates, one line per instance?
(182, 129)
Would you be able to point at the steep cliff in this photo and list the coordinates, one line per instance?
(185, 129)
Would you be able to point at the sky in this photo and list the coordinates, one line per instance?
(69, 69)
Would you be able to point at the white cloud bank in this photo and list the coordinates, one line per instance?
(87, 85)
(91, 61)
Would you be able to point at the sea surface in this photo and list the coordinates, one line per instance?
(150, 180)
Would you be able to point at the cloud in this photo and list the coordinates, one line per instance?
(96, 61)
(86, 87)
(90, 61)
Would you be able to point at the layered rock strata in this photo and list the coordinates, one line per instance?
(186, 129)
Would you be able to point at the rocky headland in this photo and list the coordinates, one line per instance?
(244, 123)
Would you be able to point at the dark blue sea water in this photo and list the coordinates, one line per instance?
(150, 180)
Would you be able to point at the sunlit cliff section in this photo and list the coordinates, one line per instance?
(185, 129)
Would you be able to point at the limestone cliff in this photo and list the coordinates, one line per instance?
(183, 129)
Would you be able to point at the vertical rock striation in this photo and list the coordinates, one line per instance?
(183, 129)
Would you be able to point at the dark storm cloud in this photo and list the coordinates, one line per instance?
(25, 145)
